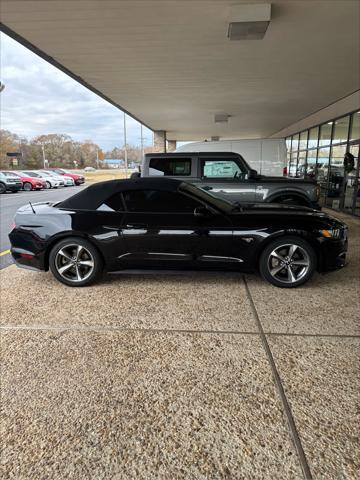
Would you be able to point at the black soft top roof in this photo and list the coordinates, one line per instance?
(91, 197)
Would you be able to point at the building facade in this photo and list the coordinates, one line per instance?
(319, 152)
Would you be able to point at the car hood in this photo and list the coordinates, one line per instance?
(277, 210)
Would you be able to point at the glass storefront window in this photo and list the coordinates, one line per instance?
(341, 130)
(288, 144)
(355, 128)
(325, 134)
(303, 140)
(293, 165)
(301, 166)
(295, 143)
(322, 170)
(319, 152)
(311, 163)
(352, 191)
(336, 177)
(313, 137)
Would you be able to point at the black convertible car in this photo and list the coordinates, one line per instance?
(169, 224)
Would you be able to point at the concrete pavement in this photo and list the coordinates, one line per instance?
(201, 376)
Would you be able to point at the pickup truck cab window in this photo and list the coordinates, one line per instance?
(213, 168)
(170, 166)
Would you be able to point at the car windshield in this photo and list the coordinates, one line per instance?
(216, 202)
(10, 174)
(48, 174)
(32, 174)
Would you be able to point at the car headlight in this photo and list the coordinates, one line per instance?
(331, 233)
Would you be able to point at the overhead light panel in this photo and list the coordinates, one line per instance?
(249, 22)
(221, 117)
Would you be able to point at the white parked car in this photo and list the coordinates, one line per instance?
(68, 181)
(51, 182)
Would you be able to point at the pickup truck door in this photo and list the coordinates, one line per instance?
(226, 178)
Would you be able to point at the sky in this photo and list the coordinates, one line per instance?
(39, 99)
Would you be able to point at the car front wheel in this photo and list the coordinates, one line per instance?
(288, 262)
(75, 262)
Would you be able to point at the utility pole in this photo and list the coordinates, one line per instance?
(43, 154)
(125, 148)
(142, 142)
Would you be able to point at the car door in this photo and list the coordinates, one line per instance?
(171, 229)
(159, 229)
(226, 178)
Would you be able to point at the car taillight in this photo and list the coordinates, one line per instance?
(285, 171)
(12, 226)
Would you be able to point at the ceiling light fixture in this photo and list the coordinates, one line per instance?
(249, 22)
(221, 117)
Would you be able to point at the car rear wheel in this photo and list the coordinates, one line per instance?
(2, 188)
(75, 262)
(48, 185)
(288, 262)
(27, 186)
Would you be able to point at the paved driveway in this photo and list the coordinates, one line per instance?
(193, 376)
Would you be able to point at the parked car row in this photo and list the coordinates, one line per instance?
(28, 180)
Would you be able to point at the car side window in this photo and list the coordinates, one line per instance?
(158, 201)
(222, 168)
(112, 204)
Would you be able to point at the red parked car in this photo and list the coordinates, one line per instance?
(78, 179)
(30, 183)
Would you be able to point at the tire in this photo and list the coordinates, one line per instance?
(290, 200)
(27, 186)
(2, 188)
(288, 262)
(84, 262)
(48, 185)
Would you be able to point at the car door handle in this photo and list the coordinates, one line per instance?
(207, 187)
(136, 225)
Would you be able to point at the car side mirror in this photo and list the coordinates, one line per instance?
(252, 174)
(202, 212)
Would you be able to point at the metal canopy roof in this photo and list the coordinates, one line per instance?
(170, 63)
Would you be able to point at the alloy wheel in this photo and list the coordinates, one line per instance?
(74, 263)
(288, 263)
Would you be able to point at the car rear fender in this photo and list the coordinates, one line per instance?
(61, 236)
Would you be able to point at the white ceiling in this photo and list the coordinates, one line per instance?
(170, 64)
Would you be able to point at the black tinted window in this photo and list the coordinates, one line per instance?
(113, 204)
(170, 166)
(158, 201)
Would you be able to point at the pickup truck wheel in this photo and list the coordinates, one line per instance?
(288, 262)
(291, 200)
